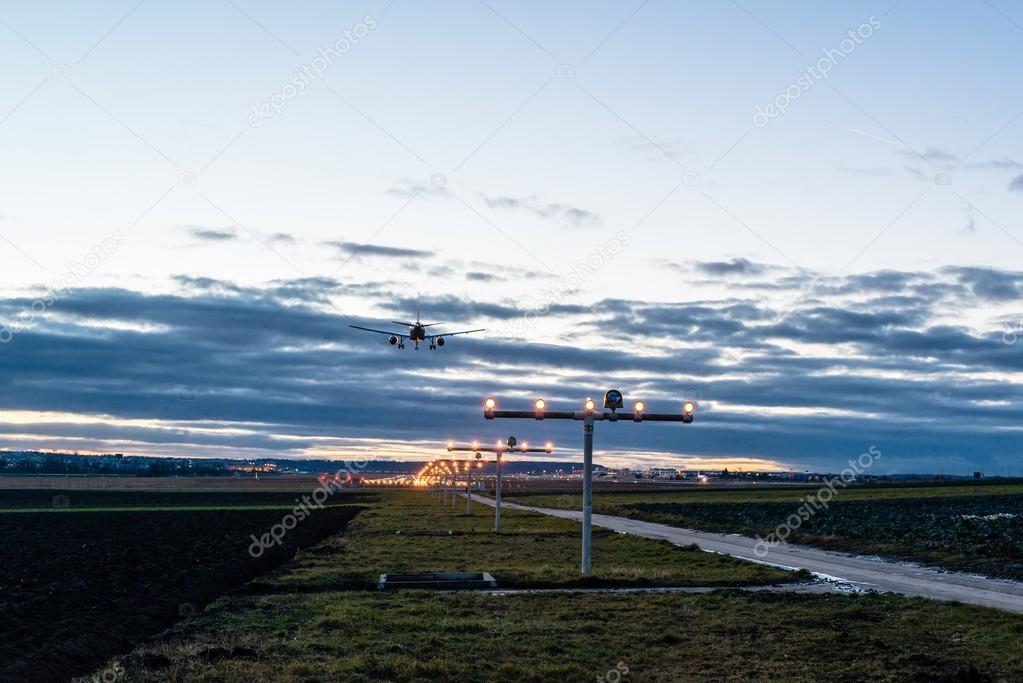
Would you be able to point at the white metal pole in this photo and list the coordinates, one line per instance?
(497, 497)
(454, 488)
(587, 489)
(468, 491)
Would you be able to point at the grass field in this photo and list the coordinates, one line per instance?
(765, 494)
(83, 582)
(531, 551)
(967, 527)
(268, 484)
(312, 620)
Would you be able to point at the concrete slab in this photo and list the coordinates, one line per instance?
(437, 581)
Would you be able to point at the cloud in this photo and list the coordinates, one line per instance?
(738, 266)
(880, 281)
(948, 161)
(477, 276)
(931, 155)
(997, 165)
(653, 149)
(208, 234)
(415, 189)
(989, 284)
(217, 368)
(207, 284)
(1017, 184)
(971, 221)
(371, 250)
(918, 174)
(876, 171)
(281, 238)
(570, 215)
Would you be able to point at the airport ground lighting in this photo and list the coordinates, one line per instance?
(511, 445)
(589, 415)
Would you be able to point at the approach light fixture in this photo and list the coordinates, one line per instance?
(500, 447)
(613, 399)
(539, 405)
(488, 407)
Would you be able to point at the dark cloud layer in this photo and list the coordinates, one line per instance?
(358, 249)
(739, 266)
(201, 232)
(869, 359)
(572, 216)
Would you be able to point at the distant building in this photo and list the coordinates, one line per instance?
(663, 472)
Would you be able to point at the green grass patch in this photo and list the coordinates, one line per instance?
(164, 508)
(532, 550)
(567, 637)
(966, 528)
(312, 621)
(765, 494)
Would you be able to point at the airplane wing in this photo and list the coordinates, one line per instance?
(452, 334)
(370, 329)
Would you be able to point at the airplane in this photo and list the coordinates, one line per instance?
(416, 333)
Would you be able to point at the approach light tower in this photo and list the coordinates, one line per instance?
(613, 400)
(500, 448)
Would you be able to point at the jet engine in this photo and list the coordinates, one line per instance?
(440, 341)
(393, 340)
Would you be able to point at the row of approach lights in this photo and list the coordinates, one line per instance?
(499, 449)
(612, 400)
(511, 445)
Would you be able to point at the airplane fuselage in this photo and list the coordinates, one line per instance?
(417, 333)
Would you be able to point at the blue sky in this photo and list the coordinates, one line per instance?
(592, 183)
